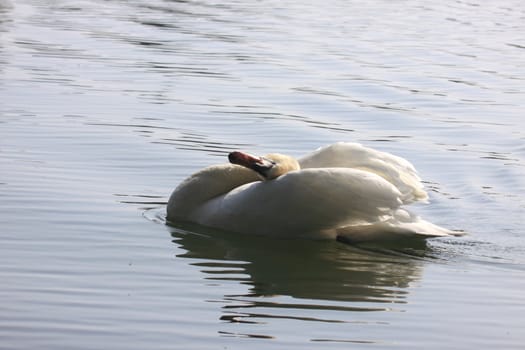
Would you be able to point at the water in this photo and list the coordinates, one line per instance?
(107, 105)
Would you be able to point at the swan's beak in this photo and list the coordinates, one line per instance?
(260, 165)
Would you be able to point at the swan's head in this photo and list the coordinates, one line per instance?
(268, 167)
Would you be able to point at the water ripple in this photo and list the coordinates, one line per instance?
(107, 105)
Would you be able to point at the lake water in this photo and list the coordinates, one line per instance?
(107, 105)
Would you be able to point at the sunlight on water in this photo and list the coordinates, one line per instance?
(106, 106)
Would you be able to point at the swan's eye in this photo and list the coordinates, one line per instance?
(268, 163)
(263, 166)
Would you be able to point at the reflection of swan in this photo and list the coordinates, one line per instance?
(300, 268)
(344, 191)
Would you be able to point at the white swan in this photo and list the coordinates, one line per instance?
(342, 191)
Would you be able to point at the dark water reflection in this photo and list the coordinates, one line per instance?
(304, 270)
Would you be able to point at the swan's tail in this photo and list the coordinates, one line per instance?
(402, 225)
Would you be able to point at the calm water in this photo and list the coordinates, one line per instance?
(105, 106)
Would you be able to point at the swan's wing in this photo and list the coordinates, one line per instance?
(302, 202)
(394, 169)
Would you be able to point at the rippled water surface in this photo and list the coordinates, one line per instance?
(105, 106)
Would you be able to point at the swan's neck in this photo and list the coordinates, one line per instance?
(204, 185)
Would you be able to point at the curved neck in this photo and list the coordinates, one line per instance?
(204, 185)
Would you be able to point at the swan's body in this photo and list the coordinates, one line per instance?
(342, 191)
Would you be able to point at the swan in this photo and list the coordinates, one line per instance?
(343, 191)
